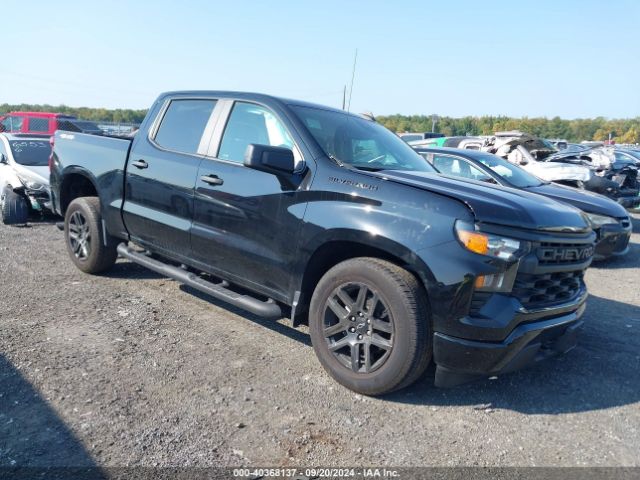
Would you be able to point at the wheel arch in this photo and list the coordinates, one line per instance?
(76, 183)
(344, 245)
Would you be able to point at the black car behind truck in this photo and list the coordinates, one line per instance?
(288, 208)
(608, 218)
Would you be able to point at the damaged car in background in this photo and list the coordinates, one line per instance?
(615, 172)
(596, 172)
(24, 176)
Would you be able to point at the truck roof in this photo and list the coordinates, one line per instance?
(251, 96)
(41, 114)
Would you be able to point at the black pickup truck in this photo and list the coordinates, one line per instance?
(282, 208)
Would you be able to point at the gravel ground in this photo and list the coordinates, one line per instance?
(131, 368)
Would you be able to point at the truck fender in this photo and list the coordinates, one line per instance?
(334, 246)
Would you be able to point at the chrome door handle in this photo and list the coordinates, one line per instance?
(212, 179)
(140, 164)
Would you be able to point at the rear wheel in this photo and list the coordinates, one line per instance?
(15, 209)
(84, 236)
(369, 326)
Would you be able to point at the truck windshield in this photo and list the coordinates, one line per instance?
(31, 153)
(360, 143)
(513, 174)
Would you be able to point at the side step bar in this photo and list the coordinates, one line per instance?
(269, 309)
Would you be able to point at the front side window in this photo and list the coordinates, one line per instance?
(31, 153)
(12, 124)
(358, 142)
(183, 125)
(458, 167)
(250, 123)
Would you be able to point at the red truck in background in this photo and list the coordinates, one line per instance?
(42, 123)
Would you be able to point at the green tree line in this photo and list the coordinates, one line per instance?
(118, 115)
(622, 130)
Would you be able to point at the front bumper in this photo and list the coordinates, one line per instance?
(39, 200)
(613, 240)
(462, 360)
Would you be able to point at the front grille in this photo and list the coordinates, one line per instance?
(563, 254)
(547, 289)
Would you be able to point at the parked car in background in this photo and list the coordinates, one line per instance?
(411, 137)
(631, 157)
(45, 123)
(558, 143)
(522, 149)
(614, 172)
(592, 169)
(284, 207)
(24, 176)
(608, 219)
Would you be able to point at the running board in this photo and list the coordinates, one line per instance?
(268, 309)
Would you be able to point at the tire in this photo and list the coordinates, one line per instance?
(392, 333)
(15, 209)
(84, 236)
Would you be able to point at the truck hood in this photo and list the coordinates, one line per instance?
(497, 205)
(37, 174)
(584, 200)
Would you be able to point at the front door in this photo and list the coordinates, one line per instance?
(246, 222)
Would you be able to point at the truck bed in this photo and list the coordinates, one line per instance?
(99, 158)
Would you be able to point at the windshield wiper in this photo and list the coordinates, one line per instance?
(368, 169)
(340, 163)
(335, 160)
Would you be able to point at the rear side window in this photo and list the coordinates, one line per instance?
(38, 124)
(183, 125)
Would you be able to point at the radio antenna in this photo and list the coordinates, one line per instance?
(353, 74)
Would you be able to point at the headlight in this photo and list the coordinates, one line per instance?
(488, 244)
(597, 221)
(30, 184)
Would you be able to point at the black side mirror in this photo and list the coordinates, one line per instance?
(3, 158)
(276, 160)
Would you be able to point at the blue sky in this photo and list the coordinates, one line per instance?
(533, 58)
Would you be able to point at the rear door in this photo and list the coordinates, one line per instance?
(161, 175)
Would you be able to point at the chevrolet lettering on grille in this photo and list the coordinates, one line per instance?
(565, 254)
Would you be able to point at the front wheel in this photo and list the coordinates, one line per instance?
(369, 326)
(87, 246)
